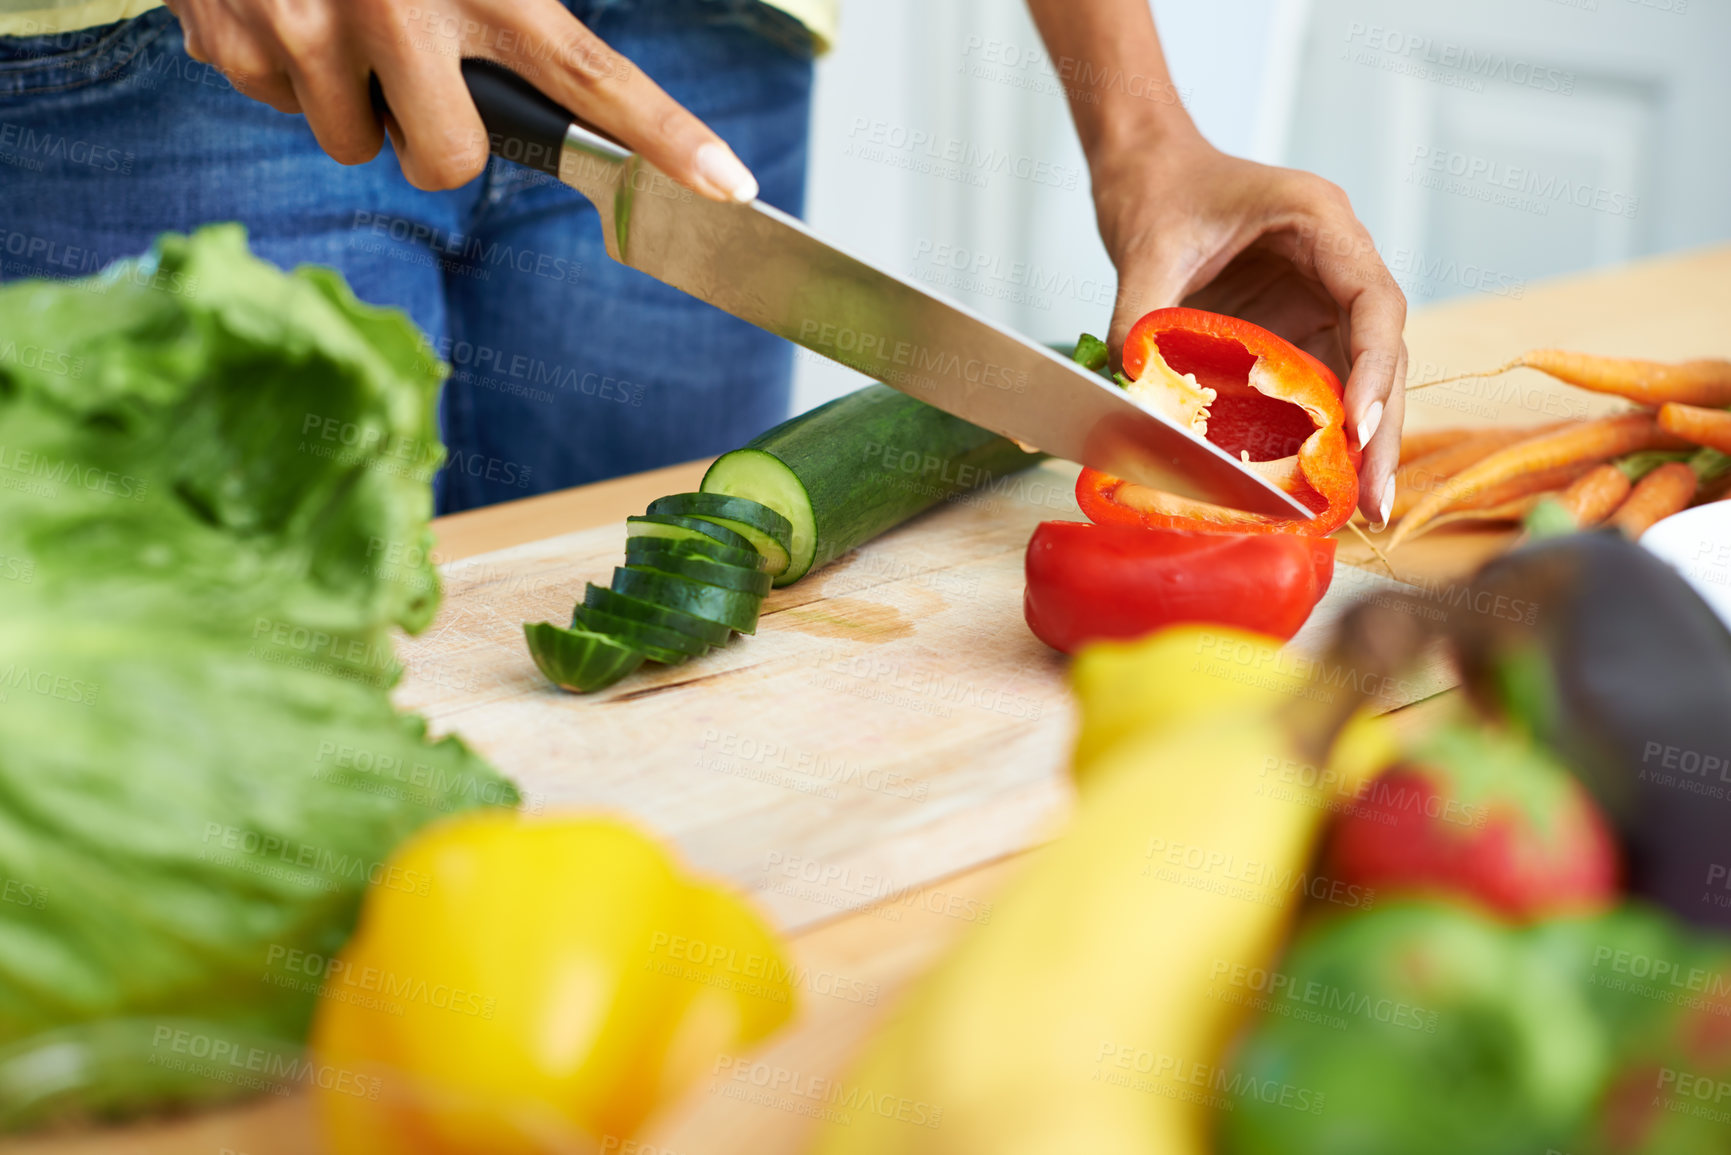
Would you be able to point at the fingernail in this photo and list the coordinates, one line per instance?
(1386, 508)
(1367, 427)
(717, 165)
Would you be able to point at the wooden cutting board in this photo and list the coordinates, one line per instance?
(892, 721)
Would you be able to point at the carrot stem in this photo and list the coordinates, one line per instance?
(1638, 465)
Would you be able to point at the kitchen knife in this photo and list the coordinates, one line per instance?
(761, 265)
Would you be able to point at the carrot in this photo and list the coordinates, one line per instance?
(1479, 444)
(1595, 495)
(1523, 485)
(1702, 382)
(1428, 441)
(1515, 509)
(1709, 427)
(1583, 442)
(1425, 474)
(1668, 489)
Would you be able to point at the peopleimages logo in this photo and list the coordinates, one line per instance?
(1542, 187)
(1460, 65)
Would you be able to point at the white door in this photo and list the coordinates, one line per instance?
(1487, 143)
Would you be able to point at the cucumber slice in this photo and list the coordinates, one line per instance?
(652, 640)
(768, 530)
(687, 563)
(721, 507)
(578, 659)
(672, 526)
(653, 614)
(700, 545)
(861, 465)
(732, 608)
(775, 554)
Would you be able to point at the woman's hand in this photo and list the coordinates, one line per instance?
(1186, 224)
(314, 57)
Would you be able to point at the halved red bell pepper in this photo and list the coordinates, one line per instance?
(1257, 396)
(1088, 582)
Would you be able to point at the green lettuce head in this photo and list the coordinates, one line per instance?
(215, 483)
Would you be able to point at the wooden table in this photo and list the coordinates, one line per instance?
(1668, 308)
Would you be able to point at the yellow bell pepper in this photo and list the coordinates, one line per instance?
(1206, 670)
(1081, 1018)
(543, 986)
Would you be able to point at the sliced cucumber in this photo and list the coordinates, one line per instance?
(688, 563)
(848, 471)
(768, 530)
(721, 507)
(578, 659)
(732, 608)
(697, 544)
(650, 639)
(775, 555)
(671, 526)
(650, 613)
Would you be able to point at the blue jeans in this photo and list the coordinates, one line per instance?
(566, 367)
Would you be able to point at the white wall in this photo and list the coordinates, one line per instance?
(942, 148)
(915, 81)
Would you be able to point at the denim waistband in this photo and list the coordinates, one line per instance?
(82, 56)
(86, 55)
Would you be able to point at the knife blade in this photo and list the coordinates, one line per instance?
(768, 268)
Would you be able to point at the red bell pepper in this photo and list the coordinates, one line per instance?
(1253, 394)
(1087, 582)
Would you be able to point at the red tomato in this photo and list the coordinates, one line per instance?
(1087, 582)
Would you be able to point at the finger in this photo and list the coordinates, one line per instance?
(1138, 295)
(591, 79)
(439, 138)
(246, 59)
(1152, 276)
(272, 88)
(1346, 262)
(1382, 456)
(191, 37)
(332, 90)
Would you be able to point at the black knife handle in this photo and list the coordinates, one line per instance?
(523, 123)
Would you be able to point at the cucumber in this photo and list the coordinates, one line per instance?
(861, 465)
(687, 563)
(651, 614)
(578, 659)
(699, 545)
(775, 555)
(734, 609)
(681, 528)
(768, 531)
(669, 647)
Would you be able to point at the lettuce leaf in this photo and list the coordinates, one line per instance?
(215, 483)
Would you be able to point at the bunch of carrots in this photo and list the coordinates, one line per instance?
(1628, 470)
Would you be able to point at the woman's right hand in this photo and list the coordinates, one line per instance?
(314, 57)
